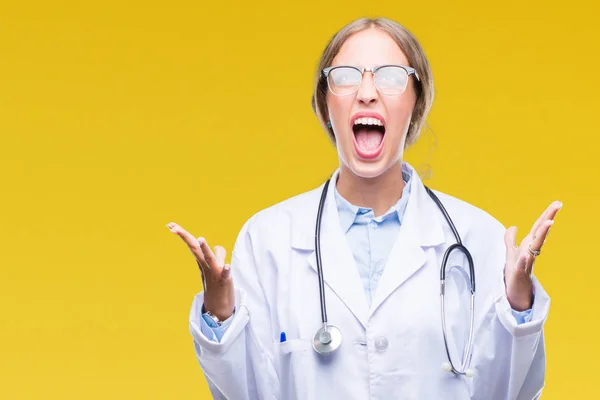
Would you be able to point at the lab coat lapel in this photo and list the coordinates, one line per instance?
(339, 268)
(419, 228)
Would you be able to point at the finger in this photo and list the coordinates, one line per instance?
(188, 238)
(510, 241)
(556, 207)
(226, 271)
(200, 258)
(209, 257)
(220, 254)
(541, 234)
(541, 218)
(548, 214)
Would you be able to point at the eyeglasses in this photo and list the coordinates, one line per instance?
(345, 80)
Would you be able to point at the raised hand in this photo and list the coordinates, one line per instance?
(219, 295)
(520, 259)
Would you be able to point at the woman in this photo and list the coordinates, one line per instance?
(382, 241)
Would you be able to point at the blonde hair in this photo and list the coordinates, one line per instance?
(416, 59)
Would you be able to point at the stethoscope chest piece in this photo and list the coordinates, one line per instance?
(327, 339)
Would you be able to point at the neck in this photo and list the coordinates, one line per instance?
(378, 193)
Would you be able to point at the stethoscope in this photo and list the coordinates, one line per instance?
(329, 337)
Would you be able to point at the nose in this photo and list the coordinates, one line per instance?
(367, 93)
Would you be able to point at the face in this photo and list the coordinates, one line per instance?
(365, 148)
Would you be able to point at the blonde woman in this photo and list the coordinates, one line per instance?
(335, 293)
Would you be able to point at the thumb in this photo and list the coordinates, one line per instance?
(510, 241)
(220, 254)
(226, 272)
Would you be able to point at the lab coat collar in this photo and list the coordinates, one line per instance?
(348, 212)
(421, 228)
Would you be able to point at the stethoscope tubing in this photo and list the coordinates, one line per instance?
(456, 246)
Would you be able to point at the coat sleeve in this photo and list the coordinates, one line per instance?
(240, 366)
(508, 357)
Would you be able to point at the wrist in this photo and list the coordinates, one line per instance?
(520, 295)
(219, 312)
(218, 321)
(520, 305)
(221, 316)
(220, 304)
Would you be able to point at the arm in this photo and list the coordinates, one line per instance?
(240, 366)
(509, 357)
(509, 353)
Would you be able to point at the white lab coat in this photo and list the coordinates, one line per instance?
(392, 349)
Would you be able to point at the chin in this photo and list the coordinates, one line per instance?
(368, 169)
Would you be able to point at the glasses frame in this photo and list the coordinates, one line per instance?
(326, 71)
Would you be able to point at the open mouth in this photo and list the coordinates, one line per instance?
(368, 136)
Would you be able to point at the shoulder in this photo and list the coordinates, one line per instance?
(274, 223)
(482, 235)
(286, 210)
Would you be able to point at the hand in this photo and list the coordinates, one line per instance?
(518, 270)
(219, 295)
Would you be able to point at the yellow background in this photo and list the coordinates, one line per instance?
(118, 117)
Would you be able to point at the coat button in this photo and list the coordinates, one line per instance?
(381, 343)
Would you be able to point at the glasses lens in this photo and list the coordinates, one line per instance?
(344, 80)
(391, 80)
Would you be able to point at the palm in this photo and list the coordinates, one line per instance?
(520, 259)
(216, 275)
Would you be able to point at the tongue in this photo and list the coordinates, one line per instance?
(368, 139)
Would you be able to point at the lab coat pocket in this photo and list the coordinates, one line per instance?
(293, 359)
(293, 345)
